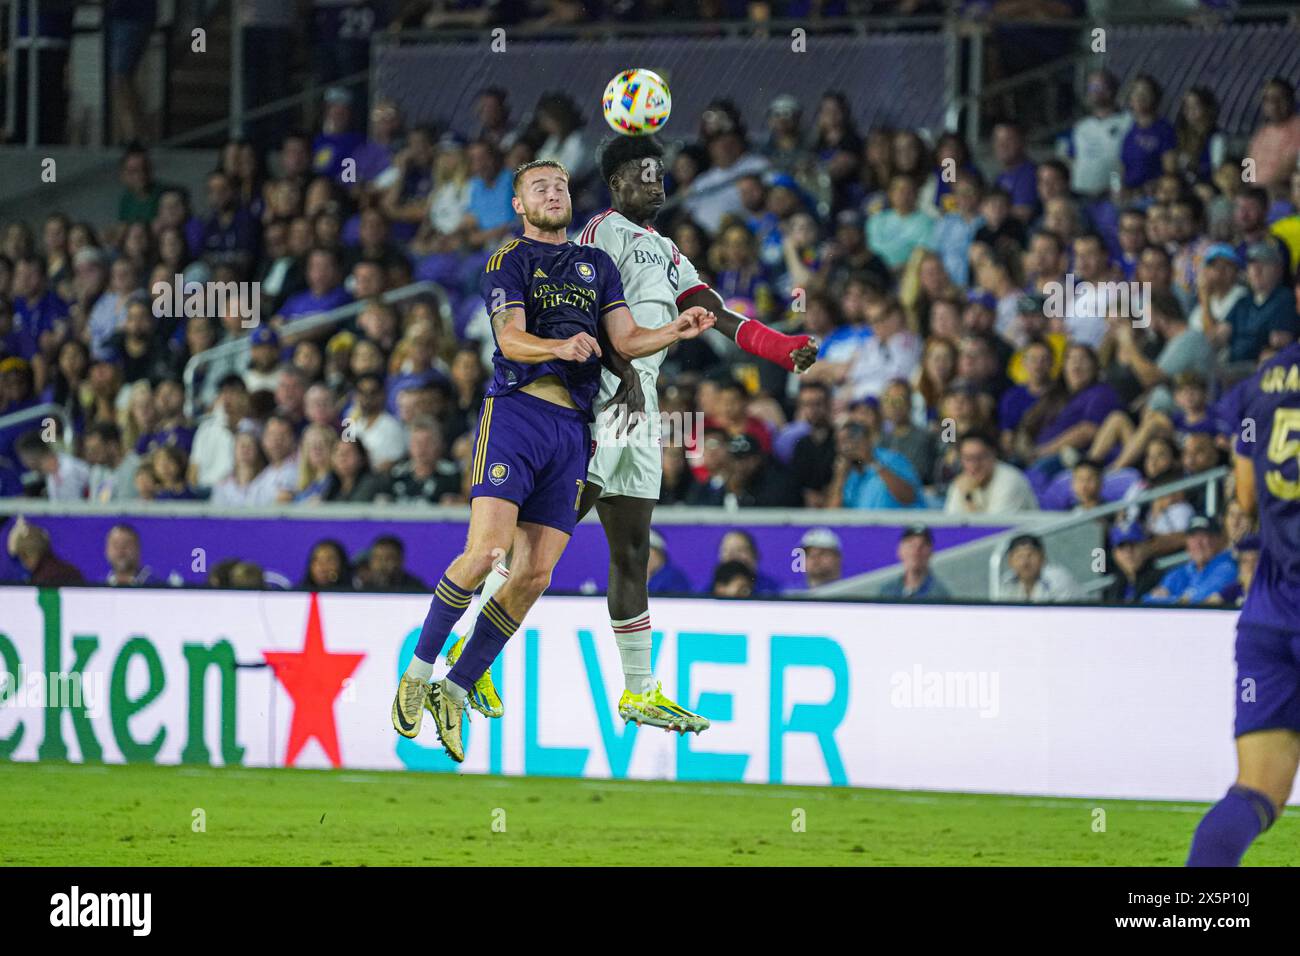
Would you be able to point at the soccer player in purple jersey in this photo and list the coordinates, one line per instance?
(551, 302)
(1267, 728)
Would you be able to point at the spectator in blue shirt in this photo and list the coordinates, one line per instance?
(664, 576)
(915, 547)
(1267, 315)
(491, 217)
(1017, 173)
(955, 231)
(1209, 569)
(893, 233)
(869, 476)
(324, 290)
(1149, 138)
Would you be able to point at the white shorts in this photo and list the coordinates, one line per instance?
(631, 465)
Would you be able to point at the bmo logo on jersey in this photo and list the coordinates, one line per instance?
(644, 257)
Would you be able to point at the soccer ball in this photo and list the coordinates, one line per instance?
(636, 103)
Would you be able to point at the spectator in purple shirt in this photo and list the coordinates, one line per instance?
(39, 315)
(337, 140)
(229, 236)
(1063, 424)
(376, 153)
(324, 286)
(1017, 173)
(1149, 138)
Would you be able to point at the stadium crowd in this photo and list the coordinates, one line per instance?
(995, 337)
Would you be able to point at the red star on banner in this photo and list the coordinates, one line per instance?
(313, 677)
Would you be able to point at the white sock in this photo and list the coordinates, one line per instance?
(633, 639)
(420, 670)
(498, 576)
(454, 690)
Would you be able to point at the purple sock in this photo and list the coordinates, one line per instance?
(449, 603)
(491, 631)
(1227, 830)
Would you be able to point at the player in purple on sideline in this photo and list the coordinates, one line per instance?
(551, 303)
(1268, 632)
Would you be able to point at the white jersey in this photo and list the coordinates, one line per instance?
(654, 272)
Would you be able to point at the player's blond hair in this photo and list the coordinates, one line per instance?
(537, 164)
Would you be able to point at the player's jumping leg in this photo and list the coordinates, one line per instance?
(491, 527)
(484, 697)
(1267, 728)
(537, 549)
(1267, 761)
(627, 529)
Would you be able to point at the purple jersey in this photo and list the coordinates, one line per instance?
(1271, 402)
(564, 289)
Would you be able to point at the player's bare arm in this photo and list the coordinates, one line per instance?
(629, 395)
(794, 353)
(635, 341)
(519, 345)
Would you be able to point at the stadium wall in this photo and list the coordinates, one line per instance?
(182, 543)
(1070, 701)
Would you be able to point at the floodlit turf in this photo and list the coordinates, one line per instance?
(60, 815)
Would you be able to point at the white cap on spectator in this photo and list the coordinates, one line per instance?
(657, 541)
(821, 538)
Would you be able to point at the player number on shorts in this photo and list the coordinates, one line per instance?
(1282, 447)
(577, 502)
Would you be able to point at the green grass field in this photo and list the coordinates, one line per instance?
(60, 815)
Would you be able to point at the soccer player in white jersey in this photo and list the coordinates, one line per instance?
(625, 472)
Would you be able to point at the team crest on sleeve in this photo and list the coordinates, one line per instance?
(498, 473)
(585, 271)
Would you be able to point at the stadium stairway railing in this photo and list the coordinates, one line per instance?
(313, 323)
(972, 571)
(38, 413)
(1077, 560)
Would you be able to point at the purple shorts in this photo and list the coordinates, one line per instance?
(534, 453)
(1268, 679)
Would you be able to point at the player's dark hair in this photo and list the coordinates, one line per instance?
(537, 164)
(626, 149)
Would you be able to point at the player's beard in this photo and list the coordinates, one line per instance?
(549, 221)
